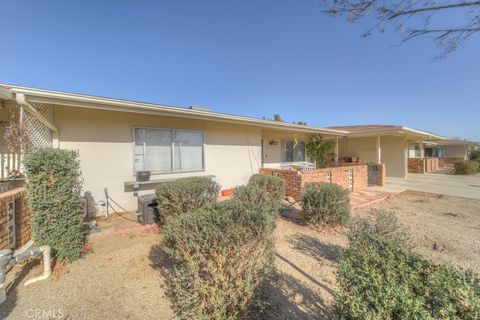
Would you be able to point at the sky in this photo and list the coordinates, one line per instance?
(252, 58)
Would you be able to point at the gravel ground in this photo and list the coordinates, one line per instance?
(115, 281)
(444, 229)
(124, 276)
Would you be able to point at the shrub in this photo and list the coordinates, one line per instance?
(54, 186)
(475, 155)
(257, 196)
(466, 167)
(380, 277)
(275, 186)
(325, 202)
(186, 194)
(223, 255)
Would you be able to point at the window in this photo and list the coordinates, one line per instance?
(168, 150)
(293, 151)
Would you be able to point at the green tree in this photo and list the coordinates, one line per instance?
(276, 117)
(318, 150)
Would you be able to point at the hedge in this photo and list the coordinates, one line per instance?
(466, 167)
(324, 202)
(223, 256)
(265, 191)
(380, 277)
(54, 185)
(186, 195)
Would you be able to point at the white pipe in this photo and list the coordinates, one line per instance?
(47, 269)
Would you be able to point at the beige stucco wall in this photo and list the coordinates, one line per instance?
(272, 154)
(104, 141)
(393, 152)
(454, 151)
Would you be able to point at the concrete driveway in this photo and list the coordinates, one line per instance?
(439, 183)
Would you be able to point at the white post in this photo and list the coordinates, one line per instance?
(336, 149)
(422, 153)
(379, 151)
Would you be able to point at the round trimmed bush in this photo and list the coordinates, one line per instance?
(325, 203)
(466, 167)
(186, 194)
(381, 277)
(223, 256)
(275, 186)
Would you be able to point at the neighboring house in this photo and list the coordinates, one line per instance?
(387, 144)
(452, 148)
(115, 138)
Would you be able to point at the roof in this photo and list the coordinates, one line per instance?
(386, 129)
(96, 102)
(456, 142)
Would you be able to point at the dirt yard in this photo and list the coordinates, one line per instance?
(124, 276)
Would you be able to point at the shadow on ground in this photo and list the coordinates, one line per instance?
(12, 287)
(315, 248)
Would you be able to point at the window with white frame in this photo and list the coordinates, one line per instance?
(168, 150)
(293, 151)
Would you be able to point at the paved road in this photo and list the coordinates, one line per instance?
(439, 183)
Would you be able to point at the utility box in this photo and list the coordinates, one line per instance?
(147, 209)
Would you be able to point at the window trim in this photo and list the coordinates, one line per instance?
(172, 130)
(304, 151)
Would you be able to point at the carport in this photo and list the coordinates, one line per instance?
(385, 144)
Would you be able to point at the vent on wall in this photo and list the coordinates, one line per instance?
(200, 108)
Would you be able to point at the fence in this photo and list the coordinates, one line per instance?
(9, 162)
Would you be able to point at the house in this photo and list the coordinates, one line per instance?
(115, 138)
(387, 144)
(452, 148)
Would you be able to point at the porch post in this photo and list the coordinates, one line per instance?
(379, 150)
(422, 153)
(336, 149)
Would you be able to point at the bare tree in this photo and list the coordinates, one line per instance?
(414, 18)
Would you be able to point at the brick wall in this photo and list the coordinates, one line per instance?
(296, 180)
(23, 230)
(418, 165)
(443, 162)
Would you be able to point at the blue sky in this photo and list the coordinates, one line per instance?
(253, 58)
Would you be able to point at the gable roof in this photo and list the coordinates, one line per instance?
(94, 102)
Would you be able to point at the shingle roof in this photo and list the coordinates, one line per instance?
(453, 142)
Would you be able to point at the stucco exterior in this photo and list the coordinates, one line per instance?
(104, 140)
(393, 152)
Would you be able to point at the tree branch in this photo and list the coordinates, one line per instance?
(447, 6)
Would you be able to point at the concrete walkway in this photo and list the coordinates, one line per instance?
(439, 183)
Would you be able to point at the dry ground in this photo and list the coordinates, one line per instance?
(124, 276)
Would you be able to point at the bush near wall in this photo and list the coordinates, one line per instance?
(223, 254)
(186, 194)
(265, 191)
(54, 185)
(325, 203)
(466, 167)
(380, 277)
(273, 185)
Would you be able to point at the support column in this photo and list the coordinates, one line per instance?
(422, 151)
(379, 151)
(336, 149)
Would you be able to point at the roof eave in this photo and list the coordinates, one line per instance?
(92, 102)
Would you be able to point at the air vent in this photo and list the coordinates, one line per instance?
(200, 108)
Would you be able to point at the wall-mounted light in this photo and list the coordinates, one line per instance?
(273, 143)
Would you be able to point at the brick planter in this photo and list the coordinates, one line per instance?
(296, 180)
(23, 229)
